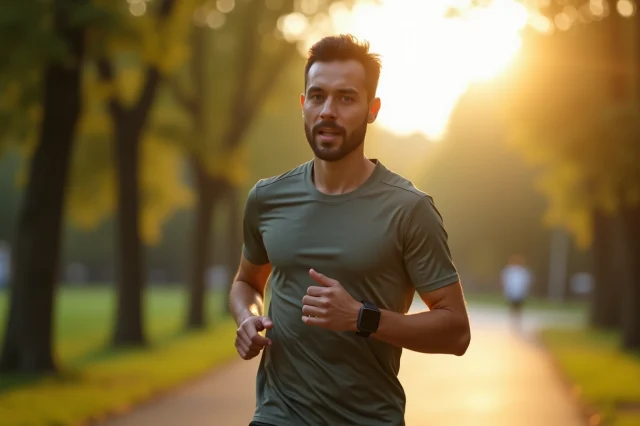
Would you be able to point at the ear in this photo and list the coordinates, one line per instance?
(374, 108)
(302, 98)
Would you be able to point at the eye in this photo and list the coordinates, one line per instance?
(347, 99)
(315, 97)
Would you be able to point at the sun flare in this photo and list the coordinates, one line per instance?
(429, 56)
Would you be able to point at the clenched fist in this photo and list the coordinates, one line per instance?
(249, 342)
(329, 305)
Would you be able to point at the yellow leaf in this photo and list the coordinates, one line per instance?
(164, 190)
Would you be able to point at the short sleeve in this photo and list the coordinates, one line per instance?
(253, 247)
(427, 257)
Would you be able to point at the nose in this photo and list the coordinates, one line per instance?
(328, 110)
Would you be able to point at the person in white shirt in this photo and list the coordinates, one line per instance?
(516, 281)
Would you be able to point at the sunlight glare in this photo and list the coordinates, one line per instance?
(429, 59)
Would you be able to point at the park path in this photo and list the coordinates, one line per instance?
(505, 378)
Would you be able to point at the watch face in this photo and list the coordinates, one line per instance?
(369, 319)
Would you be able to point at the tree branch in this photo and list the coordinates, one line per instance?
(252, 104)
(199, 76)
(244, 67)
(153, 74)
(106, 74)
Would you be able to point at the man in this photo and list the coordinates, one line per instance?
(346, 243)
(516, 280)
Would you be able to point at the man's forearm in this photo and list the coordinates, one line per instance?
(244, 301)
(438, 331)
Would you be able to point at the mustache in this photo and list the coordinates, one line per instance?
(327, 125)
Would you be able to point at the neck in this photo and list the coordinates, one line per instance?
(340, 177)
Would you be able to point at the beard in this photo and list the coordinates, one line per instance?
(350, 142)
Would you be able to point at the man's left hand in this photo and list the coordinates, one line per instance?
(329, 305)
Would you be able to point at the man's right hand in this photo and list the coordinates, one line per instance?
(249, 342)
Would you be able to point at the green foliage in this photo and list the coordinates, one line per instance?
(92, 191)
(246, 53)
(565, 119)
(98, 380)
(602, 376)
(139, 42)
(28, 45)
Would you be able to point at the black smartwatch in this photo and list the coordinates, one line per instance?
(368, 319)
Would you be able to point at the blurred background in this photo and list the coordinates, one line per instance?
(131, 132)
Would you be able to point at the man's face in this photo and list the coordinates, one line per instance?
(336, 108)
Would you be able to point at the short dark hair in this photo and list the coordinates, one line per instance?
(342, 48)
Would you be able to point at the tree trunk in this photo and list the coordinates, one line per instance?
(129, 124)
(630, 305)
(28, 345)
(201, 246)
(201, 237)
(129, 317)
(607, 256)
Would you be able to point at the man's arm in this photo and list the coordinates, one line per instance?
(427, 259)
(246, 298)
(444, 329)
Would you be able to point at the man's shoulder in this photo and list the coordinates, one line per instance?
(402, 188)
(292, 176)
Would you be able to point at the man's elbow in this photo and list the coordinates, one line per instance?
(463, 340)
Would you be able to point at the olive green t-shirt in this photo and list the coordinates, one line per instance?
(383, 242)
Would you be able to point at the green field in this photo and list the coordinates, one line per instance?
(84, 318)
(95, 380)
(604, 378)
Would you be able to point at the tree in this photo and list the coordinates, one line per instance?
(584, 141)
(28, 342)
(610, 269)
(250, 43)
(156, 48)
(631, 211)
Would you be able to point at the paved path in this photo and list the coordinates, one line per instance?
(503, 380)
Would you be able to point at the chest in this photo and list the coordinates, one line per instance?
(358, 237)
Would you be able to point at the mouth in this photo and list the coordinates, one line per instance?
(327, 134)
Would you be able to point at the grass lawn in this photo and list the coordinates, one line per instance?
(96, 380)
(604, 378)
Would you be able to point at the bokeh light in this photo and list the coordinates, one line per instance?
(429, 57)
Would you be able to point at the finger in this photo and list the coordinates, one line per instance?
(247, 354)
(257, 338)
(251, 354)
(255, 347)
(313, 311)
(242, 348)
(314, 301)
(321, 279)
(260, 340)
(254, 328)
(316, 291)
(267, 323)
(314, 321)
(242, 336)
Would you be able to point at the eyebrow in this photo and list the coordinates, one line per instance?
(350, 90)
